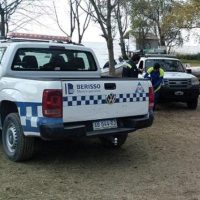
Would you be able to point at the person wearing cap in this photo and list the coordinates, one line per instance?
(129, 68)
(156, 74)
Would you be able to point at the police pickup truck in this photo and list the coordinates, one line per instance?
(178, 85)
(54, 90)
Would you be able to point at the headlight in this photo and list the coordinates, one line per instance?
(195, 81)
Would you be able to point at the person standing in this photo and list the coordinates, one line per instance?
(156, 74)
(129, 68)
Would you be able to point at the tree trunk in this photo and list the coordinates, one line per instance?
(106, 26)
(143, 39)
(111, 56)
(3, 34)
(80, 37)
(72, 20)
(162, 38)
(118, 16)
(122, 43)
(123, 49)
(2, 27)
(110, 40)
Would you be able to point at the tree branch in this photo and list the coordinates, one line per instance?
(57, 20)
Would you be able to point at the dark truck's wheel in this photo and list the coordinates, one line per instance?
(192, 104)
(114, 141)
(17, 147)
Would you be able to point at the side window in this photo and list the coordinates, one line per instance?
(17, 62)
(181, 67)
(141, 65)
(65, 58)
(84, 58)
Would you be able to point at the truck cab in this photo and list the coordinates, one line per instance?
(178, 85)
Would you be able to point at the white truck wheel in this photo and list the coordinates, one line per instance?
(16, 146)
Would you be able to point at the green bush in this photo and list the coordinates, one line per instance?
(189, 56)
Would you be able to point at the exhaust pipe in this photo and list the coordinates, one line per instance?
(115, 141)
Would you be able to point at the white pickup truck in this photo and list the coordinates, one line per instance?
(54, 90)
(178, 84)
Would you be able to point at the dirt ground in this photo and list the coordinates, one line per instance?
(158, 163)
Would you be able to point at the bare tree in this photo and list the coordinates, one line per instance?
(72, 18)
(7, 8)
(122, 12)
(79, 18)
(15, 15)
(76, 12)
(58, 22)
(103, 14)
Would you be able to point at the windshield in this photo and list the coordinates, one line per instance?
(53, 60)
(166, 64)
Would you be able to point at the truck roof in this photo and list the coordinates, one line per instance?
(159, 56)
(12, 45)
(39, 44)
(26, 39)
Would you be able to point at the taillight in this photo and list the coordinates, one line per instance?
(52, 103)
(151, 98)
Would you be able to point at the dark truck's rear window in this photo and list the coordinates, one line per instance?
(31, 59)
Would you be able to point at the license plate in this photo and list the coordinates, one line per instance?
(179, 93)
(104, 124)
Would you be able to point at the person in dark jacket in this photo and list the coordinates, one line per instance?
(130, 69)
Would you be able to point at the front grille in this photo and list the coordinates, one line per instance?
(177, 83)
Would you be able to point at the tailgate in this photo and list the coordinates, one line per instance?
(92, 100)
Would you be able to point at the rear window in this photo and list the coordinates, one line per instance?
(53, 60)
(166, 64)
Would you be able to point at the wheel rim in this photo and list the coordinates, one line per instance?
(11, 138)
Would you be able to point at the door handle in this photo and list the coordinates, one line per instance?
(110, 86)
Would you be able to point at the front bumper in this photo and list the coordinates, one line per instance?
(85, 129)
(178, 94)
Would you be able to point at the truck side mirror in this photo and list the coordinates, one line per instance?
(189, 71)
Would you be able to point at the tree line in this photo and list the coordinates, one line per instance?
(163, 18)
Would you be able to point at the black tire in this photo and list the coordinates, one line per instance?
(107, 141)
(193, 104)
(17, 147)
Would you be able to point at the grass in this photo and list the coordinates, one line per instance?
(193, 63)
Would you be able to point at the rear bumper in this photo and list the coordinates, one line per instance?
(84, 129)
(181, 95)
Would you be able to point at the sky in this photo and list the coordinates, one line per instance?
(47, 24)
